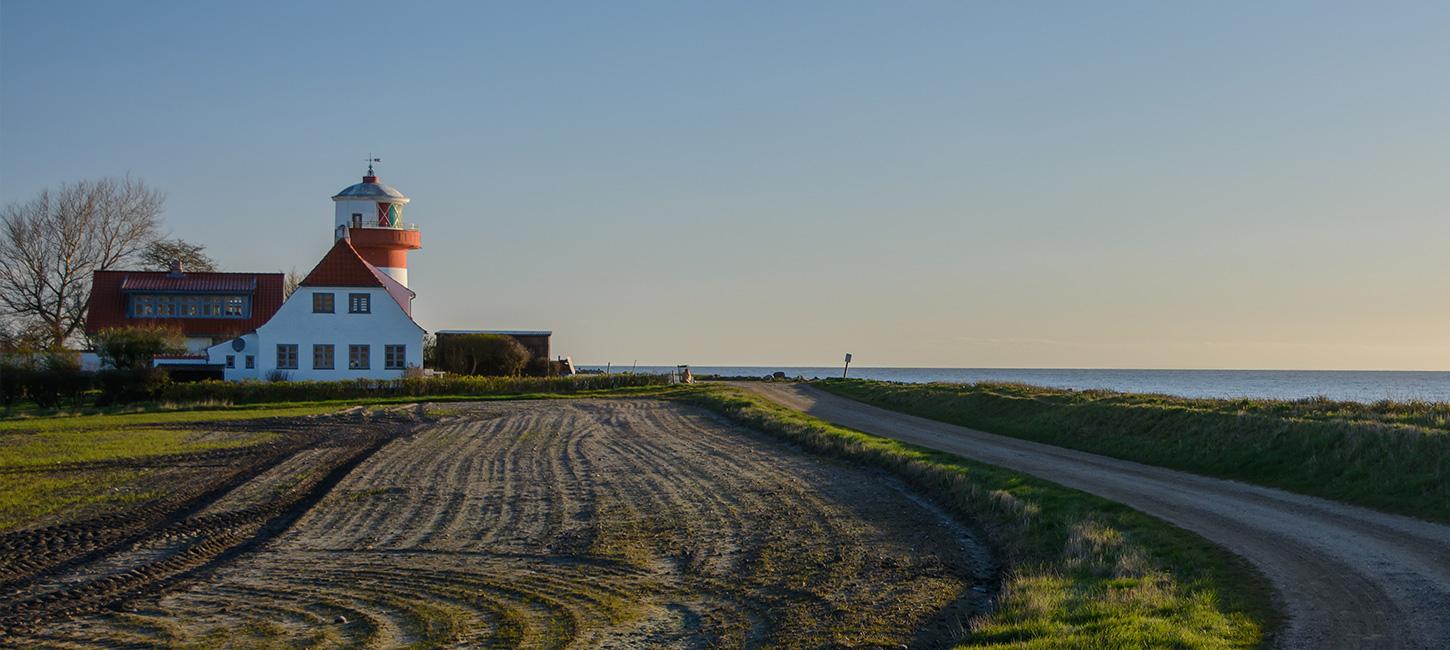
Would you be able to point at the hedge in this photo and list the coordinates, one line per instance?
(310, 391)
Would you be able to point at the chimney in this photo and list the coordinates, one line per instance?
(176, 269)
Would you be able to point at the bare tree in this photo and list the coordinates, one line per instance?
(291, 282)
(159, 255)
(52, 244)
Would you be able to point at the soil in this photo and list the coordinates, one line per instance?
(53, 573)
(582, 523)
(1346, 577)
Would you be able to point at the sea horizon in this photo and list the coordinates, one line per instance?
(1346, 385)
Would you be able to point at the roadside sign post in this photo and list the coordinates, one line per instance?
(847, 368)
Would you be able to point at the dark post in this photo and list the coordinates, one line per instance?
(848, 366)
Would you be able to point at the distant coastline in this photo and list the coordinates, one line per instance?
(1348, 385)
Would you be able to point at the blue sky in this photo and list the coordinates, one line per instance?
(944, 184)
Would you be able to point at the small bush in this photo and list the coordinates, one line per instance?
(137, 346)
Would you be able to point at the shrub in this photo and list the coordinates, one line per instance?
(483, 354)
(126, 385)
(311, 391)
(13, 379)
(136, 347)
(57, 377)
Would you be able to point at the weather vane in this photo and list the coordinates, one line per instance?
(370, 162)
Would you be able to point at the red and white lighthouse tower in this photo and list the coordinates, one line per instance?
(371, 214)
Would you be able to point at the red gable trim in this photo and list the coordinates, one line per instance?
(107, 307)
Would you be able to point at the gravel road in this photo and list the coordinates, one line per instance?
(1346, 577)
(581, 523)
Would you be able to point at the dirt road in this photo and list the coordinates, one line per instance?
(1347, 577)
(587, 523)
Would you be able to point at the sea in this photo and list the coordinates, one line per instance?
(1346, 385)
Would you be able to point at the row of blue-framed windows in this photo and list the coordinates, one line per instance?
(146, 305)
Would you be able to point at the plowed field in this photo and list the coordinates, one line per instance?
(587, 523)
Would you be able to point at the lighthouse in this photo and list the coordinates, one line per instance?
(371, 215)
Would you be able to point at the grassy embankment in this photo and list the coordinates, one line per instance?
(44, 456)
(1390, 456)
(1081, 571)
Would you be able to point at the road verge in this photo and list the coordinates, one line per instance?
(1390, 456)
(1079, 571)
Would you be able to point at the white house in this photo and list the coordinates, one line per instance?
(347, 320)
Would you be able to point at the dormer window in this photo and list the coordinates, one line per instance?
(150, 305)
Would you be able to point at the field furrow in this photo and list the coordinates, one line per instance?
(619, 523)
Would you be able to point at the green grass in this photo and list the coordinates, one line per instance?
(103, 444)
(26, 497)
(184, 413)
(1081, 571)
(36, 484)
(1390, 456)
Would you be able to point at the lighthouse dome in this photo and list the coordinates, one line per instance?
(370, 190)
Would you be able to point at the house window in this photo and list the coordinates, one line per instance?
(188, 306)
(251, 362)
(287, 356)
(231, 360)
(359, 303)
(358, 357)
(395, 357)
(322, 303)
(322, 356)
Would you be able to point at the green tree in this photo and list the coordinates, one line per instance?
(135, 347)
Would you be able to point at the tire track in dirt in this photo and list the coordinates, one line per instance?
(617, 523)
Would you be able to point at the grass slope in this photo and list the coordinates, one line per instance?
(1391, 456)
(1081, 571)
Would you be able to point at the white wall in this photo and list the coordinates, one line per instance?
(387, 324)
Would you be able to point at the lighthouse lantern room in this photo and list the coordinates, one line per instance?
(370, 214)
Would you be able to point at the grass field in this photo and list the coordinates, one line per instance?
(1391, 456)
(56, 466)
(1082, 572)
(72, 465)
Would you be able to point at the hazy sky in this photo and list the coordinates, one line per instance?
(1223, 185)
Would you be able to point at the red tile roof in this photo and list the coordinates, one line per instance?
(189, 282)
(107, 307)
(344, 267)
